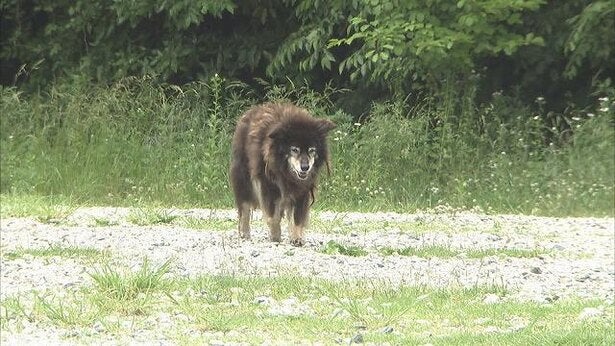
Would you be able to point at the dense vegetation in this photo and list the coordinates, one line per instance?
(507, 105)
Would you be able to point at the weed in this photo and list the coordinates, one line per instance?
(332, 248)
(66, 312)
(103, 222)
(145, 217)
(123, 287)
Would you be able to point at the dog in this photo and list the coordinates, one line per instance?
(277, 152)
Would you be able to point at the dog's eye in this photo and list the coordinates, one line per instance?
(294, 150)
(312, 151)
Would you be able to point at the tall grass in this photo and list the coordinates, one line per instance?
(136, 142)
(130, 143)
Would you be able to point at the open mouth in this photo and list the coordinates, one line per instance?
(302, 175)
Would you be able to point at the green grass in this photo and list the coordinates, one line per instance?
(422, 251)
(333, 248)
(339, 226)
(145, 217)
(46, 209)
(56, 251)
(103, 222)
(290, 309)
(136, 143)
(129, 292)
(439, 251)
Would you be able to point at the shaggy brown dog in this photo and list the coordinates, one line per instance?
(278, 150)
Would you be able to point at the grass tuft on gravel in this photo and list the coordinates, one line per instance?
(332, 248)
(56, 250)
(440, 251)
(147, 216)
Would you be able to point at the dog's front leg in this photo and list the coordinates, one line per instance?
(273, 221)
(300, 220)
(273, 216)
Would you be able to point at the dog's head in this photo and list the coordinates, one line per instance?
(301, 144)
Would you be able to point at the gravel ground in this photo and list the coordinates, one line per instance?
(578, 260)
(578, 254)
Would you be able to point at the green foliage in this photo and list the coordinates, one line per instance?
(108, 41)
(557, 50)
(136, 142)
(399, 42)
(332, 248)
(592, 37)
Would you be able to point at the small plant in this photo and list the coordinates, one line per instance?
(145, 217)
(66, 312)
(333, 247)
(422, 251)
(127, 286)
(103, 222)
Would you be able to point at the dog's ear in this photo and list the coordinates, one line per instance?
(325, 125)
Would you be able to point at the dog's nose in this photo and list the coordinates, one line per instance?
(305, 166)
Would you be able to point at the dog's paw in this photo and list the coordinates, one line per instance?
(245, 236)
(297, 242)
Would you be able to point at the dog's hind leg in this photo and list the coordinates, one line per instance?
(300, 220)
(244, 220)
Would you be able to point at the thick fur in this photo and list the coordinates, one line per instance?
(278, 150)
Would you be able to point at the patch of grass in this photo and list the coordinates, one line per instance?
(65, 312)
(56, 250)
(290, 310)
(333, 248)
(46, 209)
(129, 292)
(126, 286)
(439, 251)
(146, 217)
(103, 222)
(506, 252)
(427, 251)
(339, 226)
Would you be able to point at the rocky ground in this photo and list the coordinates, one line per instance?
(576, 255)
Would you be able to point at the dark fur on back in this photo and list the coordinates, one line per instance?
(261, 173)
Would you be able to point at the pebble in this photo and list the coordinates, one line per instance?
(387, 330)
(357, 339)
(536, 270)
(589, 313)
(491, 299)
(491, 329)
